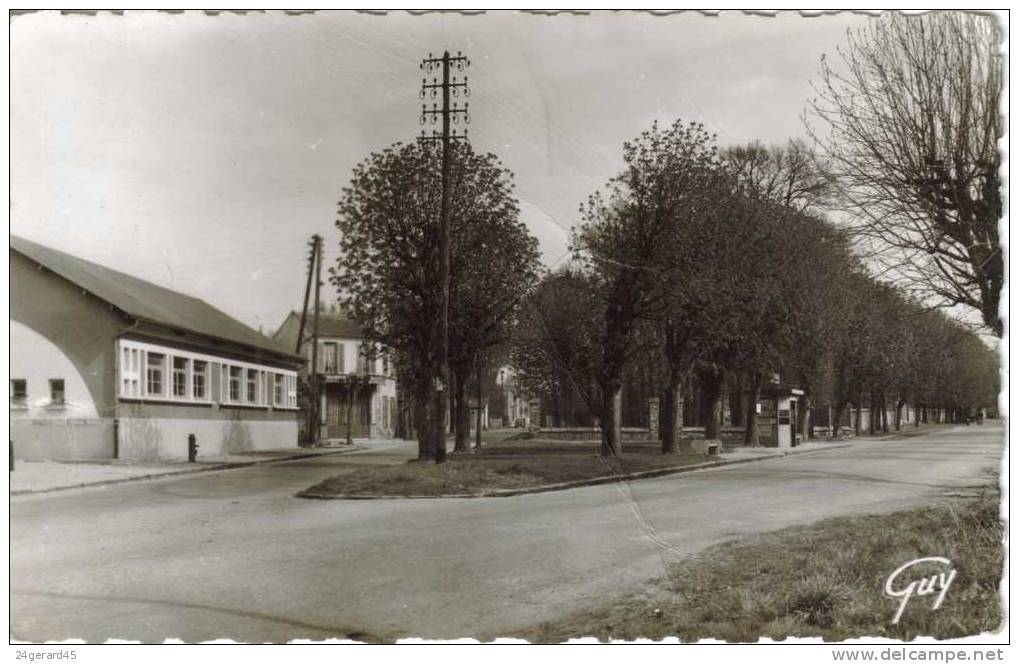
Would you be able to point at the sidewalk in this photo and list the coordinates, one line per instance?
(45, 476)
(909, 431)
(736, 453)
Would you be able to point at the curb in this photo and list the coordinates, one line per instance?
(560, 486)
(227, 465)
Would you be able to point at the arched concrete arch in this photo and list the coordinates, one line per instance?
(37, 360)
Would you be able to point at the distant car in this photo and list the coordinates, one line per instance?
(520, 423)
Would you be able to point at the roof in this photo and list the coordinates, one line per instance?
(329, 325)
(333, 325)
(146, 301)
(780, 389)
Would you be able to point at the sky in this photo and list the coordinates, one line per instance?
(201, 152)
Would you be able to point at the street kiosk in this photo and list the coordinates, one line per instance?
(776, 419)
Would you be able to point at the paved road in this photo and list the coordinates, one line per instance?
(234, 555)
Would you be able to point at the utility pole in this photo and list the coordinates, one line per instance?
(448, 87)
(307, 294)
(316, 382)
(314, 272)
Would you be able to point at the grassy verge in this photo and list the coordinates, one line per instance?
(511, 464)
(824, 580)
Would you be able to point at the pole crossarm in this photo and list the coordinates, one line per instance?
(445, 87)
(431, 63)
(437, 136)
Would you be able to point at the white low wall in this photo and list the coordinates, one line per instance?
(150, 439)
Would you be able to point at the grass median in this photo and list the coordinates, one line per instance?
(824, 580)
(511, 464)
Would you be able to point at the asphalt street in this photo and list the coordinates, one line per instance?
(235, 555)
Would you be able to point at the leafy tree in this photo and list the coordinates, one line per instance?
(628, 238)
(557, 342)
(494, 264)
(389, 256)
(898, 351)
(698, 313)
(912, 120)
(777, 301)
(821, 277)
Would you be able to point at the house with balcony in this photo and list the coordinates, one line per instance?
(108, 366)
(357, 379)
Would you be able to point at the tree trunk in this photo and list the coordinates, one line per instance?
(611, 420)
(350, 414)
(441, 427)
(711, 403)
(477, 434)
(557, 395)
(424, 422)
(664, 425)
(750, 433)
(673, 414)
(460, 414)
(404, 420)
(736, 401)
(898, 414)
(438, 412)
(857, 404)
(801, 415)
(872, 423)
(878, 407)
(884, 412)
(836, 422)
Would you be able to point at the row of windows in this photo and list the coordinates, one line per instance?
(258, 387)
(147, 371)
(332, 359)
(19, 391)
(179, 377)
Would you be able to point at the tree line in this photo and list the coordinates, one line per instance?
(712, 269)
(699, 271)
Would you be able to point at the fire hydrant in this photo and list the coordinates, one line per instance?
(192, 448)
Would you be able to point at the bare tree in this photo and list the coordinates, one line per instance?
(783, 175)
(912, 121)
